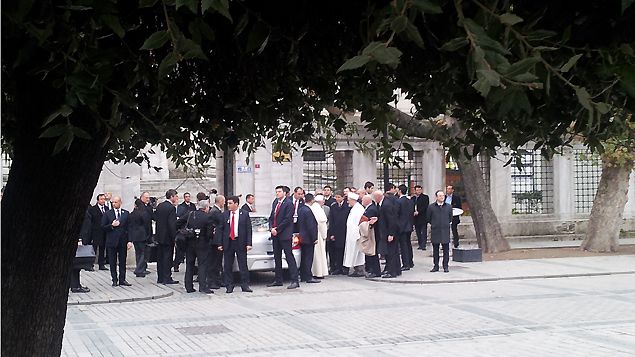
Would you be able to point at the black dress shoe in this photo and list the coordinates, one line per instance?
(293, 285)
(372, 275)
(81, 289)
(170, 282)
(405, 268)
(140, 275)
(230, 289)
(190, 290)
(435, 269)
(246, 289)
(102, 267)
(124, 283)
(207, 291)
(275, 283)
(214, 286)
(90, 269)
(412, 265)
(147, 272)
(446, 270)
(388, 276)
(114, 283)
(313, 281)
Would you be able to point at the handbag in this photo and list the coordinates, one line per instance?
(184, 234)
(84, 257)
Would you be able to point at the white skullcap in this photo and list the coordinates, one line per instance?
(319, 198)
(353, 196)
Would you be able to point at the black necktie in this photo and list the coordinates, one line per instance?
(117, 214)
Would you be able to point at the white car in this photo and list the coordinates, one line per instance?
(260, 257)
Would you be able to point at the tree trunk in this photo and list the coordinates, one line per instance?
(489, 234)
(605, 221)
(42, 209)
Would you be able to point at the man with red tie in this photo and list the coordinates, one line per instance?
(281, 227)
(236, 235)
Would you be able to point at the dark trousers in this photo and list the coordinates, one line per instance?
(74, 274)
(393, 261)
(240, 252)
(179, 256)
(196, 251)
(446, 254)
(278, 247)
(372, 261)
(164, 262)
(214, 266)
(455, 234)
(100, 252)
(306, 261)
(405, 247)
(422, 235)
(117, 254)
(336, 258)
(140, 257)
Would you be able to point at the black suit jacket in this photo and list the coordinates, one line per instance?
(284, 219)
(307, 225)
(406, 214)
(337, 223)
(97, 234)
(115, 236)
(387, 223)
(165, 217)
(138, 225)
(184, 208)
(244, 228)
(456, 203)
(245, 207)
(203, 222)
(421, 203)
(216, 221)
(371, 211)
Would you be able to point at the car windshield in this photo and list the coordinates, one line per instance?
(259, 224)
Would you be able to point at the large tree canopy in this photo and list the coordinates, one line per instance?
(84, 81)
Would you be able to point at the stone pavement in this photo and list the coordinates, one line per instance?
(567, 316)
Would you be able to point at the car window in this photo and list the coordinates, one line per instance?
(259, 224)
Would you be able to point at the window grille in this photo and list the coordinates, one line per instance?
(323, 168)
(408, 172)
(588, 169)
(532, 184)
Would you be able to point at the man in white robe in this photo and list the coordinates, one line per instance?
(320, 266)
(354, 258)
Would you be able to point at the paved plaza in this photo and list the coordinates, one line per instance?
(559, 307)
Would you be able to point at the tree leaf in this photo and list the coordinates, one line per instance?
(399, 23)
(258, 37)
(114, 24)
(156, 40)
(427, 6)
(454, 44)
(602, 107)
(482, 86)
(220, 6)
(191, 49)
(147, 3)
(167, 64)
(353, 63)
(626, 4)
(492, 77)
(583, 97)
(80, 133)
(54, 131)
(570, 63)
(510, 19)
(521, 66)
(413, 33)
(64, 111)
(241, 24)
(63, 141)
(190, 4)
(525, 77)
(386, 55)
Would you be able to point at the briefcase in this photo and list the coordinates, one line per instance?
(84, 257)
(151, 252)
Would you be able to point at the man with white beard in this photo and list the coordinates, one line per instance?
(354, 258)
(320, 267)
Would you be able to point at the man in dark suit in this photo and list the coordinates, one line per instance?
(386, 230)
(249, 204)
(336, 241)
(454, 201)
(281, 227)
(406, 221)
(115, 224)
(328, 196)
(215, 259)
(97, 234)
(439, 215)
(198, 248)
(165, 216)
(236, 242)
(421, 202)
(182, 211)
(373, 268)
(308, 234)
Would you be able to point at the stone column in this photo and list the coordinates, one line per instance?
(364, 169)
(433, 165)
(501, 188)
(343, 167)
(244, 179)
(629, 208)
(564, 184)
